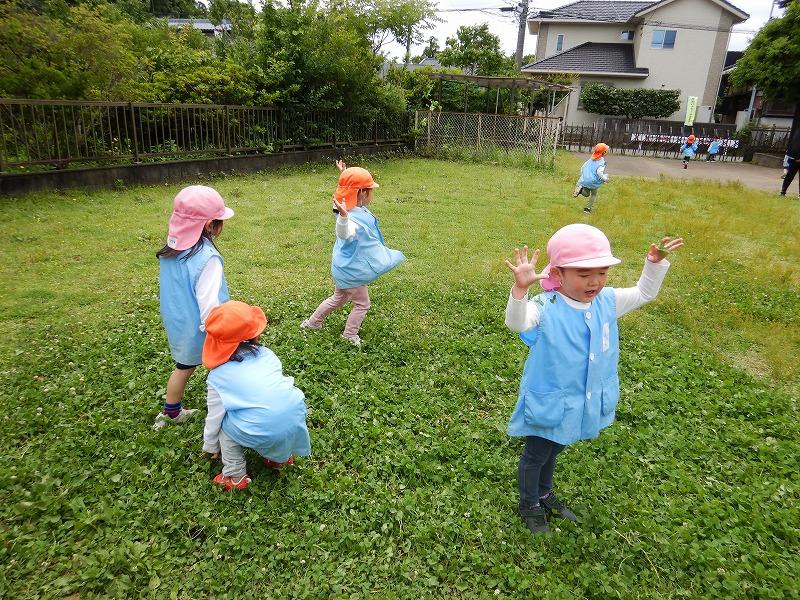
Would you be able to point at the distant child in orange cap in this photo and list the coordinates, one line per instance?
(359, 254)
(688, 150)
(593, 175)
(251, 403)
(191, 283)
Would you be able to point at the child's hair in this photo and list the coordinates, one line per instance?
(208, 233)
(246, 347)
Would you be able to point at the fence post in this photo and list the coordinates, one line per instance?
(430, 116)
(479, 131)
(376, 130)
(228, 131)
(135, 137)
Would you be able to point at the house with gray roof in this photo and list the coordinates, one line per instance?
(657, 44)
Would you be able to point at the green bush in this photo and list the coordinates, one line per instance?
(631, 103)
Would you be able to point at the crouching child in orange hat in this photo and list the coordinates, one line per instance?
(251, 403)
(593, 175)
(359, 255)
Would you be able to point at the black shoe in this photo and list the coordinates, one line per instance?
(535, 519)
(587, 210)
(555, 508)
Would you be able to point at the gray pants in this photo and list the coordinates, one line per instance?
(233, 462)
(592, 198)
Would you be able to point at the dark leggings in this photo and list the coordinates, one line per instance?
(536, 466)
(791, 171)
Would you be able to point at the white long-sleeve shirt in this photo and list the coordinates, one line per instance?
(522, 315)
(345, 228)
(206, 290)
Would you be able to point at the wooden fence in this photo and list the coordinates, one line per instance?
(55, 134)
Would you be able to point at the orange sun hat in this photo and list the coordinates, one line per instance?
(351, 180)
(599, 150)
(691, 139)
(227, 326)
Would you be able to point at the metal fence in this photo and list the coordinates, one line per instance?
(60, 134)
(664, 138)
(438, 131)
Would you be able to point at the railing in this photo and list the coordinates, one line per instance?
(60, 134)
(664, 138)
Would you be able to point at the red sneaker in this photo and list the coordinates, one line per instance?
(277, 465)
(228, 482)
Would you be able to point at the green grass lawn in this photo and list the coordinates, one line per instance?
(411, 488)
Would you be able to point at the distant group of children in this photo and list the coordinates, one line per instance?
(569, 387)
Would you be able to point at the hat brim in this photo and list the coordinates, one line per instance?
(226, 215)
(593, 263)
(217, 352)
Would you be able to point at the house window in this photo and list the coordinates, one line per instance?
(663, 38)
(626, 35)
(560, 42)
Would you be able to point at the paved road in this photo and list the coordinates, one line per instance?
(754, 176)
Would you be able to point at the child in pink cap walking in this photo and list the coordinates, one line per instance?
(191, 284)
(359, 255)
(570, 386)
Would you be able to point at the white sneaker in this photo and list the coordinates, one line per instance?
(307, 325)
(163, 420)
(353, 339)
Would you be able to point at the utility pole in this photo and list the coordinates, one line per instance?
(523, 26)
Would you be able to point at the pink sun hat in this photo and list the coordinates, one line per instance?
(577, 246)
(193, 207)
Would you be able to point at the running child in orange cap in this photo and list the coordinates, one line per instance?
(359, 255)
(251, 403)
(570, 385)
(593, 175)
(191, 283)
(688, 150)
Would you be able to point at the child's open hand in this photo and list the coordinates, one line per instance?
(340, 164)
(341, 207)
(524, 271)
(658, 253)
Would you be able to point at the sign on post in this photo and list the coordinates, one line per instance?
(691, 110)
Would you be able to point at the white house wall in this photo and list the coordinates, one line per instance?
(694, 66)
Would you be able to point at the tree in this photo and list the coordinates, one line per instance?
(633, 103)
(771, 62)
(476, 50)
(432, 49)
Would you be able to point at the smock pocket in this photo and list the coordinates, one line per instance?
(544, 409)
(610, 395)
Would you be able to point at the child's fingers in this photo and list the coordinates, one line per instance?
(509, 265)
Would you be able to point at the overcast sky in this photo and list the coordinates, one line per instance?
(504, 26)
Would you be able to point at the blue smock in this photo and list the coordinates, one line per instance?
(178, 302)
(570, 386)
(263, 409)
(364, 257)
(590, 178)
(713, 147)
(688, 150)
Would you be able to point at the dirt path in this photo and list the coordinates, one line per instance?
(760, 178)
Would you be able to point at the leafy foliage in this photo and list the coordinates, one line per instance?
(772, 60)
(477, 51)
(634, 103)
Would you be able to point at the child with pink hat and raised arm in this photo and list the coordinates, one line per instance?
(570, 386)
(191, 284)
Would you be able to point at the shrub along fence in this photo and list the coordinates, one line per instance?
(56, 134)
(664, 138)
